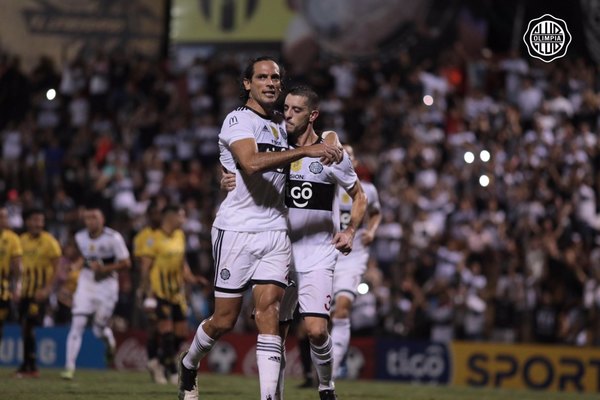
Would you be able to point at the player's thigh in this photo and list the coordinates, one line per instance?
(315, 290)
(31, 311)
(273, 265)
(345, 282)
(234, 262)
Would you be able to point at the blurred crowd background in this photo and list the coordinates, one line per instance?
(486, 166)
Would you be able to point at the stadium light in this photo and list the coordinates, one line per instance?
(362, 288)
(484, 156)
(484, 180)
(469, 157)
(51, 94)
(428, 100)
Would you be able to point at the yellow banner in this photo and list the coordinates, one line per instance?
(229, 20)
(556, 368)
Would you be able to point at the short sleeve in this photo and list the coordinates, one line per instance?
(344, 173)
(236, 126)
(54, 250)
(121, 252)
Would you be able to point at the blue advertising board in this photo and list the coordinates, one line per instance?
(51, 348)
(408, 361)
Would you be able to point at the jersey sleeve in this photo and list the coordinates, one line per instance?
(373, 204)
(237, 126)
(121, 252)
(16, 250)
(344, 173)
(54, 250)
(143, 244)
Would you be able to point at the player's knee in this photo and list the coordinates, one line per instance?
(223, 324)
(341, 312)
(318, 334)
(267, 314)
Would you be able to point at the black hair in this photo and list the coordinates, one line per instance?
(171, 208)
(32, 211)
(308, 93)
(248, 73)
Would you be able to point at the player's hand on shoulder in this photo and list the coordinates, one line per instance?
(327, 153)
(228, 181)
(331, 138)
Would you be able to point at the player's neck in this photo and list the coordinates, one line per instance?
(258, 108)
(168, 229)
(96, 233)
(308, 138)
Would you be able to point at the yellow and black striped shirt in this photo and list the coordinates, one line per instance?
(10, 247)
(166, 273)
(39, 256)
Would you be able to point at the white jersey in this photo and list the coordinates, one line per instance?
(256, 204)
(345, 207)
(310, 194)
(109, 247)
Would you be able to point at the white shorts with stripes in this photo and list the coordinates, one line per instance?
(312, 292)
(348, 273)
(243, 259)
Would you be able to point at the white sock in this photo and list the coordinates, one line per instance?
(108, 335)
(340, 336)
(268, 359)
(280, 382)
(322, 359)
(200, 347)
(74, 339)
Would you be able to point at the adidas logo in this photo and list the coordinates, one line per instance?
(275, 358)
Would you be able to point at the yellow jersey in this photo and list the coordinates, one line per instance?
(143, 242)
(166, 272)
(39, 257)
(10, 247)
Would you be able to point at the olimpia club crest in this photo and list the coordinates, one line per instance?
(547, 38)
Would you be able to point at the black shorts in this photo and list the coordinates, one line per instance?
(32, 311)
(4, 310)
(167, 310)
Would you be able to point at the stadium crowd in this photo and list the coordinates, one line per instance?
(513, 258)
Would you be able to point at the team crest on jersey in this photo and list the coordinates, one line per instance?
(225, 274)
(92, 248)
(150, 242)
(296, 166)
(316, 167)
(345, 198)
(275, 132)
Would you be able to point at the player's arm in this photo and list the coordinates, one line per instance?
(343, 240)
(44, 293)
(372, 224)
(146, 263)
(16, 269)
(189, 276)
(252, 161)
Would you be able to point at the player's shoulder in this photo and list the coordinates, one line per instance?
(112, 233)
(48, 237)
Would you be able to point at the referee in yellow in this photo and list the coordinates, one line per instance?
(41, 253)
(164, 271)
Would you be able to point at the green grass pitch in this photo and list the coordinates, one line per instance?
(119, 385)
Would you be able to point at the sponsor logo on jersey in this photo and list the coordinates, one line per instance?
(315, 167)
(225, 274)
(296, 165)
(233, 121)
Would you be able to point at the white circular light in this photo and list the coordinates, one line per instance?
(51, 94)
(484, 180)
(469, 157)
(428, 100)
(484, 155)
(363, 288)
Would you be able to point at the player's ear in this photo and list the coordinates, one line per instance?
(313, 116)
(246, 83)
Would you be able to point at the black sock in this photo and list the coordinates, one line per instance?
(168, 351)
(304, 345)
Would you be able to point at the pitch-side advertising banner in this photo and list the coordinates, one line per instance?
(554, 368)
(209, 21)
